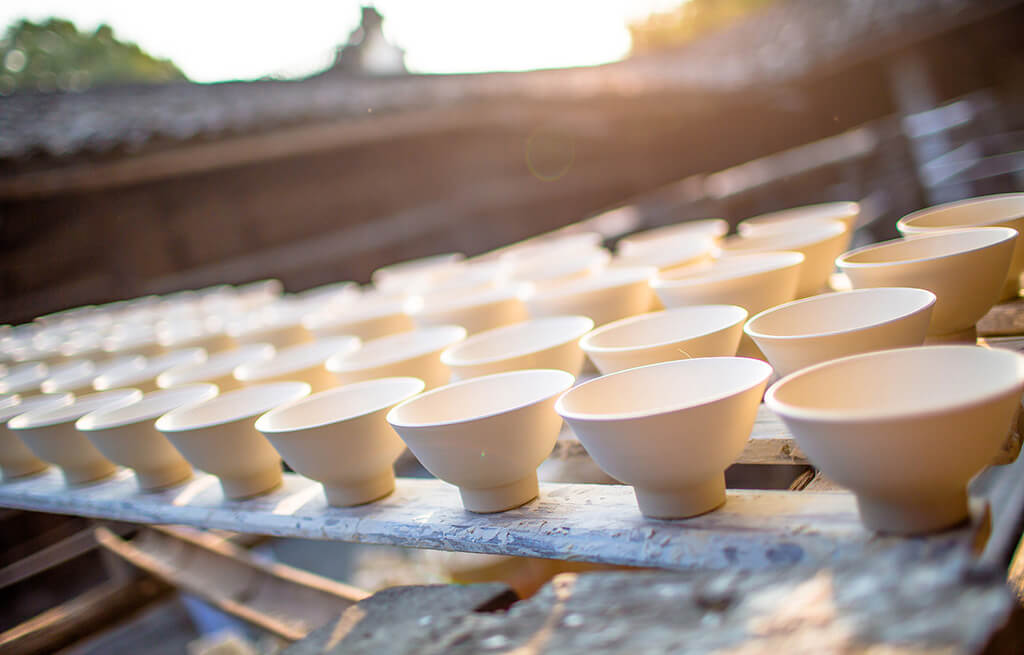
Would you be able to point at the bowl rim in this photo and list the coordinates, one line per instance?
(783, 259)
(416, 265)
(336, 363)
(709, 225)
(908, 219)
(580, 325)
(814, 234)
(614, 277)
(1008, 233)
(570, 415)
(295, 359)
(417, 386)
(94, 421)
(867, 415)
(567, 380)
(587, 346)
(290, 390)
(40, 401)
(217, 363)
(44, 417)
(927, 297)
(817, 211)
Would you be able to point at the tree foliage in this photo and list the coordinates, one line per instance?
(688, 21)
(54, 55)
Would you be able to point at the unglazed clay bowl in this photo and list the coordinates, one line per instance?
(797, 218)
(710, 228)
(833, 325)
(342, 439)
(366, 318)
(603, 297)
(302, 363)
(667, 254)
(142, 375)
(670, 429)
(753, 282)
(1000, 210)
(551, 342)
(127, 435)
(965, 269)
(475, 312)
(683, 333)
(396, 276)
(553, 265)
(904, 429)
(50, 433)
(819, 244)
(219, 436)
(16, 460)
(218, 369)
(408, 354)
(486, 435)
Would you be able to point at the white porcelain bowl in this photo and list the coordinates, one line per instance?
(24, 377)
(904, 429)
(341, 438)
(16, 460)
(670, 429)
(127, 435)
(603, 297)
(798, 217)
(396, 276)
(219, 436)
(50, 433)
(820, 245)
(409, 354)
(1000, 210)
(142, 374)
(683, 333)
(667, 254)
(833, 325)
(476, 312)
(218, 369)
(965, 269)
(366, 318)
(302, 363)
(486, 435)
(553, 266)
(551, 342)
(712, 228)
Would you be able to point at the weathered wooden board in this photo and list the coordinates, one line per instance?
(583, 522)
(1004, 319)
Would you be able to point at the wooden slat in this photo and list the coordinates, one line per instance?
(581, 522)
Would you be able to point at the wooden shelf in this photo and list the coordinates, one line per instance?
(583, 522)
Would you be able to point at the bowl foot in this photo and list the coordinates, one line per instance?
(89, 473)
(22, 468)
(970, 335)
(914, 515)
(499, 499)
(165, 477)
(362, 492)
(682, 502)
(253, 485)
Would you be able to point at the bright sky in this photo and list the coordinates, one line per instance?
(213, 40)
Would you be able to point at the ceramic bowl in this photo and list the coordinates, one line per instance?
(753, 282)
(683, 333)
(605, 297)
(668, 254)
(537, 248)
(219, 436)
(799, 217)
(553, 266)
(551, 342)
(74, 377)
(194, 333)
(127, 435)
(486, 435)
(475, 312)
(302, 363)
(24, 378)
(142, 374)
(366, 318)
(904, 429)
(279, 330)
(833, 325)
(342, 439)
(141, 341)
(965, 269)
(409, 354)
(1000, 210)
(670, 429)
(819, 244)
(218, 369)
(394, 277)
(16, 460)
(50, 433)
(711, 228)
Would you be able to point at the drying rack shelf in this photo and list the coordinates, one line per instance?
(581, 522)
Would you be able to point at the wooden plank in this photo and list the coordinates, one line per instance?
(579, 522)
(66, 549)
(1004, 319)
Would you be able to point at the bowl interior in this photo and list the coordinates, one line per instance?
(609, 278)
(974, 211)
(518, 339)
(397, 348)
(833, 313)
(217, 366)
(927, 246)
(480, 397)
(339, 404)
(837, 211)
(81, 406)
(33, 403)
(232, 406)
(787, 240)
(296, 358)
(730, 268)
(669, 326)
(664, 387)
(150, 407)
(897, 382)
